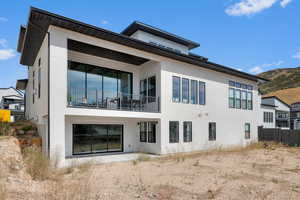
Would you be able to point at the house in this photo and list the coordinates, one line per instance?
(274, 109)
(99, 95)
(13, 100)
(295, 115)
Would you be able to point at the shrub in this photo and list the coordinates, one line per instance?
(5, 129)
(27, 128)
(38, 165)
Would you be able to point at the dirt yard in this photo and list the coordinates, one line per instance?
(258, 172)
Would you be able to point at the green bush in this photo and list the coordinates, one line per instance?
(27, 128)
(5, 129)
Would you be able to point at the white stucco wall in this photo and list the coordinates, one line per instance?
(230, 122)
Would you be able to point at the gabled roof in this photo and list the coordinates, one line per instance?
(136, 25)
(39, 21)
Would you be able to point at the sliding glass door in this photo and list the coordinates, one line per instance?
(97, 138)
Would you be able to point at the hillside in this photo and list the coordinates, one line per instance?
(280, 79)
(289, 96)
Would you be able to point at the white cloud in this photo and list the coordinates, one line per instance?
(104, 22)
(284, 3)
(3, 19)
(250, 7)
(260, 68)
(3, 42)
(6, 54)
(239, 69)
(297, 55)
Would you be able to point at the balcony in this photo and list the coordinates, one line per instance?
(93, 98)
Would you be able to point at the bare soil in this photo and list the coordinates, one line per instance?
(272, 172)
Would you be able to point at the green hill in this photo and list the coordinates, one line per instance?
(280, 79)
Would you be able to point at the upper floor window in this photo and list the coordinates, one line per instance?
(39, 82)
(268, 117)
(176, 89)
(202, 93)
(194, 91)
(240, 95)
(185, 90)
(33, 86)
(152, 86)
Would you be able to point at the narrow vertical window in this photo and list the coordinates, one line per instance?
(187, 131)
(202, 95)
(249, 101)
(212, 131)
(173, 132)
(247, 130)
(244, 100)
(143, 87)
(151, 132)
(194, 91)
(33, 86)
(185, 90)
(231, 98)
(151, 89)
(143, 132)
(238, 98)
(176, 89)
(39, 83)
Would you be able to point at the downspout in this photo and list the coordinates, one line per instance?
(48, 35)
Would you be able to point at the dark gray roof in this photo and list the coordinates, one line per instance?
(132, 28)
(39, 21)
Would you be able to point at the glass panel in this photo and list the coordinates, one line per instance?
(212, 131)
(238, 85)
(176, 89)
(76, 80)
(231, 83)
(99, 133)
(249, 100)
(201, 93)
(152, 86)
(185, 90)
(187, 131)
(151, 132)
(173, 132)
(194, 91)
(94, 86)
(231, 98)
(143, 132)
(244, 100)
(125, 83)
(82, 139)
(110, 89)
(114, 137)
(238, 99)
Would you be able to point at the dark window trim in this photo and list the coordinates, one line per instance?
(148, 128)
(100, 153)
(185, 138)
(247, 133)
(144, 132)
(196, 95)
(204, 92)
(185, 100)
(179, 98)
(177, 134)
(212, 136)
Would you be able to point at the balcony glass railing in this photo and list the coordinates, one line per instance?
(92, 98)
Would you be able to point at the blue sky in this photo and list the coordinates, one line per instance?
(249, 35)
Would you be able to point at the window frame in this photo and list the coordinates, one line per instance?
(247, 131)
(184, 98)
(195, 99)
(231, 98)
(153, 138)
(176, 99)
(175, 138)
(212, 136)
(187, 135)
(143, 133)
(203, 95)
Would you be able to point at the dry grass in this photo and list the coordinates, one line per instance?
(141, 158)
(289, 96)
(5, 129)
(38, 165)
(3, 192)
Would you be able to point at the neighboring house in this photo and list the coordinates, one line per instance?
(295, 115)
(13, 100)
(95, 92)
(280, 112)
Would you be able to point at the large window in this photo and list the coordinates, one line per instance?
(240, 95)
(187, 131)
(152, 86)
(212, 131)
(97, 138)
(194, 92)
(247, 130)
(173, 131)
(95, 85)
(202, 93)
(185, 90)
(176, 89)
(268, 117)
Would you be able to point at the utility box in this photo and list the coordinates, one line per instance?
(5, 115)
